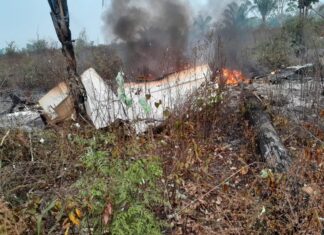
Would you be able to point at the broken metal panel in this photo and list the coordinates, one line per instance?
(292, 72)
(302, 69)
(165, 94)
(65, 110)
(57, 104)
(27, 120)
(102, 105)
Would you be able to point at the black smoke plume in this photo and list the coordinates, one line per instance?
(151, 36)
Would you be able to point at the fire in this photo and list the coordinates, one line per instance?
(232, 77)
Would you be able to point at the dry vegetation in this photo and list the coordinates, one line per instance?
(200, 172)
(46, 67)
(213, 181)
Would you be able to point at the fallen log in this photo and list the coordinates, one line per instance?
(272, 150)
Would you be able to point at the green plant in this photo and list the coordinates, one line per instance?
(265, 7)
(39, 45)
(138, 183)
(236, 15)
(11, 48)
(130, 186)
(137, 220)
(96, 160)
(39, 222)
(82, 41)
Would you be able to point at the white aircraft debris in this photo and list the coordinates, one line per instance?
(141, 104)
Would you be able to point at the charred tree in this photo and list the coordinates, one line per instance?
(272, 150)
(61, 21)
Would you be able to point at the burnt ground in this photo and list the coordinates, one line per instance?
(30, 96)
(214, 180)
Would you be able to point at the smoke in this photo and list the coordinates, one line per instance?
(216, 8)
(156, 37)
(151, 36)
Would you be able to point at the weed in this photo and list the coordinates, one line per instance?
(138, 183)
(132, 186)
(137, 220)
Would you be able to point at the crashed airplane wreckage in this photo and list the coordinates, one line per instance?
(141, 104)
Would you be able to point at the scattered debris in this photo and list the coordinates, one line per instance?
(141, 104)
(57, 104)
(311, 190)
(291, 72)
(27, 120)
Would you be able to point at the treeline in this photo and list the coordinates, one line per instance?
(269, 34)
(40, 64)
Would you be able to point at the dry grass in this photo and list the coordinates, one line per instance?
(200, 149)
(10, 223)
(204, 156)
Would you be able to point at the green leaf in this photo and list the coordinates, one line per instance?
(39, 223)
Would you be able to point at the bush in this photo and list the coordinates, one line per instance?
(275, 52)
(11, 48)
(38, 45)
(130, 186)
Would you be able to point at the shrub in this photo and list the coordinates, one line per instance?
(275, 52)
(130, 186)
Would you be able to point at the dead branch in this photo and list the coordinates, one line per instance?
(4, 138)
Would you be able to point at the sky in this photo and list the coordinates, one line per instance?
(25, 20)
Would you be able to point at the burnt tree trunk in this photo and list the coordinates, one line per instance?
(272, 150)
(61, 21)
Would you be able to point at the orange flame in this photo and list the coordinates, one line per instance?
(232, 77)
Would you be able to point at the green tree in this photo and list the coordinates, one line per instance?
(292, 7)
(305, 5)
(281, 6)
(265, 7)
(284, 9)
(203, 24)
(236, 16)
(11, 48)
(37, 45)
